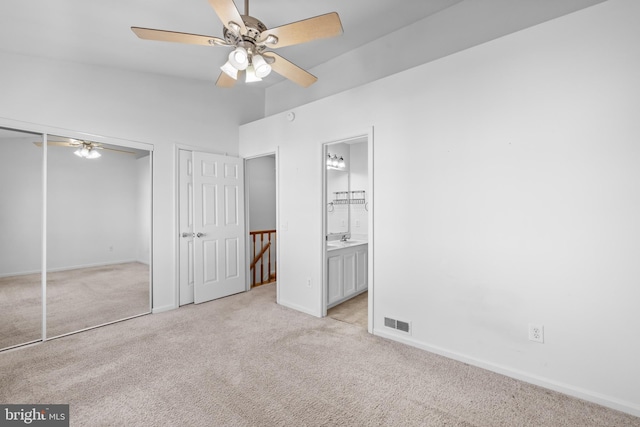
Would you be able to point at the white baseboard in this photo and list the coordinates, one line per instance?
(71, 267)
(297, 307)
(568, 389)
(98, 264)
(162, 309)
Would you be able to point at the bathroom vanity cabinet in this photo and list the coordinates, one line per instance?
(347, 272)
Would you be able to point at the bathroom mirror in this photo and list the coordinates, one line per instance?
(359, 190)
(337, 160)
(98, 234)
(21, 242)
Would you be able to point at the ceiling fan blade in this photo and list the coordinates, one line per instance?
(224, 80)
(172, 36)
(75, 144)
(113, 149)
(290, 70)
(228, 12)
(319, 27)
(57, 143)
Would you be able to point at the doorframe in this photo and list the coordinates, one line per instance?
(275, 153)
(368, 133)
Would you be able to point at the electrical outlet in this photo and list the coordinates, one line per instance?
(536, 333)
(308, 282)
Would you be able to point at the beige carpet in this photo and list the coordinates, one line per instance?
(245, 361)
(352, 311)
(20, 309)
(76, 299)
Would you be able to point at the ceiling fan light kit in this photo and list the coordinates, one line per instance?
(260, 65)
(230, 70)
(87, 153)
(250, 39)
(239, 58)
(251, 76)
(83, 149)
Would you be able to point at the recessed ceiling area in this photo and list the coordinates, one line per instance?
(99, 33)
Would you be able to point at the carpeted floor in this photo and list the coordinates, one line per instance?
(76, 299)
(246, 361)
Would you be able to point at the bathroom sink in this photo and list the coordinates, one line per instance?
(344, 244)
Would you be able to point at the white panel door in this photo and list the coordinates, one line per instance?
(218, 225)
(185, 178)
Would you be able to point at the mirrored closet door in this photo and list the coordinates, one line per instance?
(97, 229)
(21, 241)
(98, 234)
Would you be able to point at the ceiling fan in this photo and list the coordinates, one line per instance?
(250, 39)
(84, 149)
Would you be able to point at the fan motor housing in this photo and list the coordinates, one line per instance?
(254, 28)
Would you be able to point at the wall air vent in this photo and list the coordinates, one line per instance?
(397, 324)
(402, 326)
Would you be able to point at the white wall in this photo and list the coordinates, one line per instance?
(92, 209)
(153, 109)
(20, 205)
(96, 208)
(261, 186)
(515, 198)
(434, 37)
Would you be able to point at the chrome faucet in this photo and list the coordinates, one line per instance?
(344, 238)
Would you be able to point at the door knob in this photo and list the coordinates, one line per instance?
(185, 234)
(200, 234)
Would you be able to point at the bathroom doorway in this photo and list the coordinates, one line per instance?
(348, 230)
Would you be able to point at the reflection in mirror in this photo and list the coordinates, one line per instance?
(337, 189)
(98, 234)
(359, 188)
(21, 242)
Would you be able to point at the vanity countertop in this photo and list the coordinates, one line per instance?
(335, 245)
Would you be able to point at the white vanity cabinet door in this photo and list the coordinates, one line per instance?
(347, 275)
(361, 269)
(349, 283)
(336, 287)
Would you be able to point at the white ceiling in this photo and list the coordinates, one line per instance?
(99, 32)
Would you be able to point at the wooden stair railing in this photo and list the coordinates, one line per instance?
(262, 243)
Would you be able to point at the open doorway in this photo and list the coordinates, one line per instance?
(260, 188)
(348, 231)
